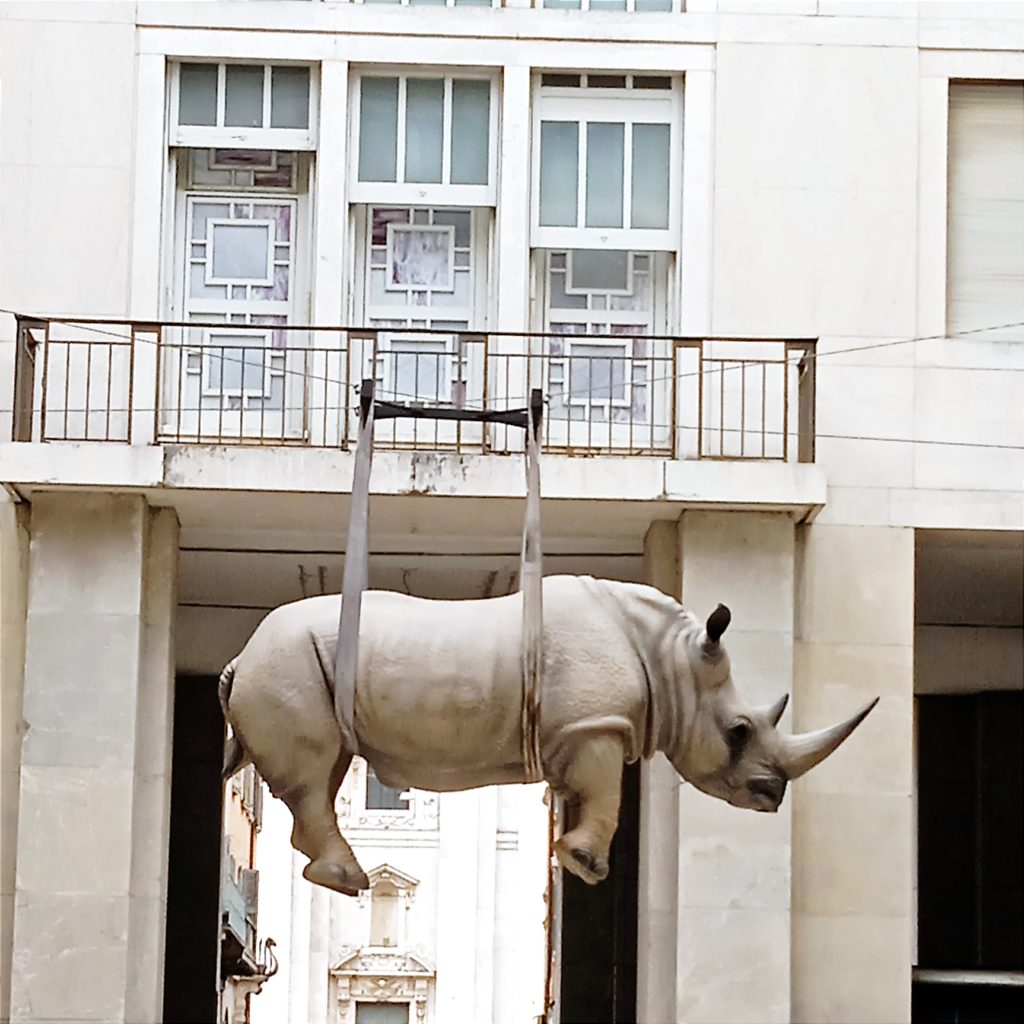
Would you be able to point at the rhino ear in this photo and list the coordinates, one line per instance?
(718, 623)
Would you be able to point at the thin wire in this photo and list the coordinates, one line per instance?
(228, 438)
(589, 392)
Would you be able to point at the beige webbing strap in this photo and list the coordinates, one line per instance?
(357, 556)
(530, 575)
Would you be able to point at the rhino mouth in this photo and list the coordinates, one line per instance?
(767, 792)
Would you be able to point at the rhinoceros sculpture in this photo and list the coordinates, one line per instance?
(627, 672)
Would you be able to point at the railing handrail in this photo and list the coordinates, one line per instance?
(147, 325)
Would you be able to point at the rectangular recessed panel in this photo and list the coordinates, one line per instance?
(289, 98)
(197, 94)
(650, 175)
(471, 125)
(241, 252)
(378, 129)
(559, 173)
(424, 128)
(243, 96)
(605, 155)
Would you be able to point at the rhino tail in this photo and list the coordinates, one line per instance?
(235, 754)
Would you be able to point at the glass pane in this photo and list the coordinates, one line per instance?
(568, 4)
(559, 173)
(607, 5)
(460, 220)
(241, 251)
(382, 1013)
(605, 155)
(650, 175)
(471, 123)
(597, 372)
(421, 369)
(421, 258)
(429, 3)
(472, 3)
(197, 94)
(243, 96)
(424, 125)
(557, 297)
(381, 797)
(378, 129)
(600, 270)
(289, 98)
(234, 369)
(654, 5)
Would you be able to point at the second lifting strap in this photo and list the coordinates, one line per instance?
(530, 577)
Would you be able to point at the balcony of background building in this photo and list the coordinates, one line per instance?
(272, 384)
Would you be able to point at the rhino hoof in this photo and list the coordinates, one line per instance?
(334, 876)
(594, 866)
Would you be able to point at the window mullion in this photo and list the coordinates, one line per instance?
(446, 132)
(627, 175)
(581, 173)
(400, 132)
(266, 95)
(221, 93)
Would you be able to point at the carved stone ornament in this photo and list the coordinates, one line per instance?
(365, 975)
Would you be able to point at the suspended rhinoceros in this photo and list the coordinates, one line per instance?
(627, 672)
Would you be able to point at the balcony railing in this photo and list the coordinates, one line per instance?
(271, 384)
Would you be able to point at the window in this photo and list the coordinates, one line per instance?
(434, 3)
(242, 105)
(383, 798)
(382, 1013)
(426, 138)
(986, 208)
(239, 212)
(604, 162)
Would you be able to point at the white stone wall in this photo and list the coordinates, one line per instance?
(814, 199)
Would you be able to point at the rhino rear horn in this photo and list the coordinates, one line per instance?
(802, 752)
(718, 623)
(773, 712)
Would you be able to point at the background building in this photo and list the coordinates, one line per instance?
(766, 261)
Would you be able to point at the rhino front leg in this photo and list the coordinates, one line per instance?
(595, 773)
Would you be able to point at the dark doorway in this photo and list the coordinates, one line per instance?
(599, 922)
(193, 874)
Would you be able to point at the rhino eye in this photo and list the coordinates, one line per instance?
(737, 735)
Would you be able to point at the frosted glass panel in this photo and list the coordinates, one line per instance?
(243, 96)
(650, 175)
(559, 173)
(424, 125)
(378, 129)
(197, 94)
(471, 122)
(240, 252)
(598, 372)
(289, 98)
(605, 153)
(600, 270)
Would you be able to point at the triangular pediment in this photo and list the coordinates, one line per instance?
(387, 873)
(382, 964)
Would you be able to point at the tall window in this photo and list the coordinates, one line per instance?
(239, 212)
(382, 1013)
(986, 208)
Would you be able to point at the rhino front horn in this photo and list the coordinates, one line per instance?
(802, 752)
(718, 623)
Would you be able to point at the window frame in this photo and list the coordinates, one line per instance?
(221, 136)
(400, 192)
(588, 105)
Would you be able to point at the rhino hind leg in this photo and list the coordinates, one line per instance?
(332, 863)
(595, 774)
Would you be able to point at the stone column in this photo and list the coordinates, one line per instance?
(95, 779)
(852, 816)
(659, 830)
(733, 938)
(13, 598)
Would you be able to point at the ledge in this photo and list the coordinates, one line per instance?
(171, 469)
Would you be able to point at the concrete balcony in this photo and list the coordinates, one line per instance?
(178, 411)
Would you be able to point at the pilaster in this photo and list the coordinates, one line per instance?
(91, 879)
